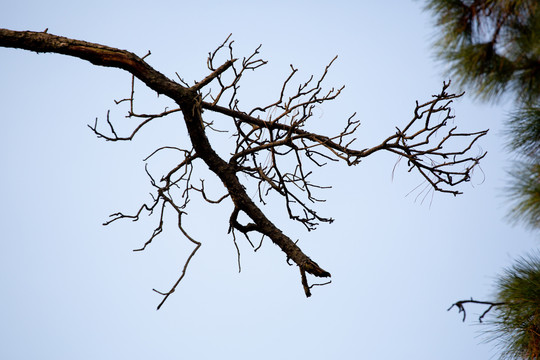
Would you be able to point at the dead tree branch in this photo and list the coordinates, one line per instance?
(272, 146)
(461, 307)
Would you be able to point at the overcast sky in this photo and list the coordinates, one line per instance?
(73, 289)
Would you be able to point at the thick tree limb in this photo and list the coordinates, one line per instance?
(98, 55)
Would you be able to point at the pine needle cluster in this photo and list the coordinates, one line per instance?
(491, 46)
(516, 326)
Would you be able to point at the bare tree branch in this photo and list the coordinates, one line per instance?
(272, 147)
(461, 308)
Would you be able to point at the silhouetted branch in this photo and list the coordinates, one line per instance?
(461, 307)
(188, 260)
(272, 147)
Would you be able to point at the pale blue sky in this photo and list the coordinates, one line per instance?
(73, 289)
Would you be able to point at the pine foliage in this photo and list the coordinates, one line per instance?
(524, 192)
(493, 48)
(517, 322)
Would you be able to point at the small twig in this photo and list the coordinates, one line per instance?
(184, 269)
(213, 75)
(307, 288)
(461, 307)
